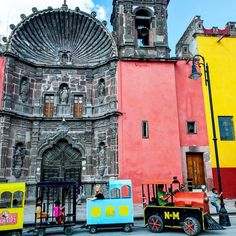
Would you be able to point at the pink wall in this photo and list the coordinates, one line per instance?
(2, 67)
(190, 105)
(147, 91)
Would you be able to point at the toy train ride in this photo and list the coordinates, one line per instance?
(184, 210)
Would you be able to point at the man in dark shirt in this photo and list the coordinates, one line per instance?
(98, 194)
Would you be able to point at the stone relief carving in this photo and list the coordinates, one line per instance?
(101, 137)
(63, 129)
(101, 123)
(128, 7)
(18, 160)
(46, 86)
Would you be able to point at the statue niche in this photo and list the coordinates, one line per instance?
(101, 161)
(24, 89)
(18, 160)
(65, 57)
(101, 90)
(63, 107)
(63, 94)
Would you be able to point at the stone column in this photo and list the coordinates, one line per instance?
(34, 153)
(5, 163)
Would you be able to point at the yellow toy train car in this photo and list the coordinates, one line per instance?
(12, 198)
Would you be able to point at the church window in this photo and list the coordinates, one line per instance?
(145, 132)
(48, 105)
(142, 25)
(78, 106)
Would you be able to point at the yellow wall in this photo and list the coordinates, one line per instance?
(221, 57)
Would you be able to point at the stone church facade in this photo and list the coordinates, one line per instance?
(59, 99)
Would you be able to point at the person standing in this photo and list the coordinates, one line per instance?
(214, 198)
(58, 212)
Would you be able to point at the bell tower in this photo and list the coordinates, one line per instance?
(140, 28)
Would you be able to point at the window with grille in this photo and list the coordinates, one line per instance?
(226, 127)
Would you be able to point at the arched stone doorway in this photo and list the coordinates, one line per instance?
(62, 161)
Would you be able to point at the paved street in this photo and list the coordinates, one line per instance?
(140, 230)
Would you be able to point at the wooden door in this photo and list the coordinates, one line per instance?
(62, 161)
(49, 105)
(78, 107)
(195, 168)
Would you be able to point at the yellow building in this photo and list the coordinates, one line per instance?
(218, 47)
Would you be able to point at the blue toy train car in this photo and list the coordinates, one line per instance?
(114, 211)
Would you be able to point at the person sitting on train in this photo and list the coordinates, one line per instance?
(162, 196)
(153, 201)
(98, 194)
(58, 212)
(38, 211)
(15, 203)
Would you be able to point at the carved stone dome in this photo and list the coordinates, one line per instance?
(55, 37)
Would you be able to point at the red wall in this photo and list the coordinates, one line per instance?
(190, 105)
(2, 67)
(147, 91)
(228, 181)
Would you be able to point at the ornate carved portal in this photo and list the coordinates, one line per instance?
(62, 161)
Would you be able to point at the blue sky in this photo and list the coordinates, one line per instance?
(181, 12)
(212, 12)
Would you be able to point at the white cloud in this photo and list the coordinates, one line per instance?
(11, 9)
(101, 12)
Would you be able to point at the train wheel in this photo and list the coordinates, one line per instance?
(191, 226)
(155, 224)
(68, 231)
(41, 232)
(127, 228)
(15, 233)
(93, 229)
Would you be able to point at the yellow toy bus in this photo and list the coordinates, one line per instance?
(12, 198)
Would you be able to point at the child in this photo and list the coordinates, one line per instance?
(214, 199)
(39, 213)
(58, 212)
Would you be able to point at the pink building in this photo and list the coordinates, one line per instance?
(194, 146)
(160, 106)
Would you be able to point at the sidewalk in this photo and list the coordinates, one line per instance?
(138, 211)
